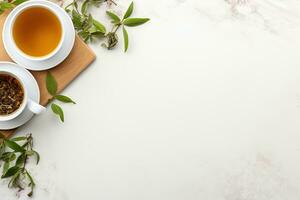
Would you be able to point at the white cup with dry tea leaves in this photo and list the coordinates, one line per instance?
(14, 97)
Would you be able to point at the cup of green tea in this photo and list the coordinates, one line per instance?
(37, 31)
(14, 97)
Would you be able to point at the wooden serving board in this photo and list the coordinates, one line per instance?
(78, 60)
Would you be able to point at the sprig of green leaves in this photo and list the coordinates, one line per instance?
(5, 5)
(51, 85)
(126, 21)
(14, 154)
(88, 28)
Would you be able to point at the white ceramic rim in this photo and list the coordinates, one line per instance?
(17, 112)
(33, 93)
(36, 65)
(52, 10)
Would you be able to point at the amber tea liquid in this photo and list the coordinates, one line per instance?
(37, 31)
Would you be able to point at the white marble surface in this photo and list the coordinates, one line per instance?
(205, 105)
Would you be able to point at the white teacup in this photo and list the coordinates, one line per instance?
(54, 9)
(27, 103)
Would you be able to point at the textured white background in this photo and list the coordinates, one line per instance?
(204, 106)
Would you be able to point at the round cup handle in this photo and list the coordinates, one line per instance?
(35, 107)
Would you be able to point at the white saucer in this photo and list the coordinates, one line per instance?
(33, 93)
(36, 65)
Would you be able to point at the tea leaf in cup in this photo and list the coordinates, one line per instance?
(57, 110)
(51, 84)
(12, 94)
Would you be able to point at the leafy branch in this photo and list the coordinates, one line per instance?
(89, 28)
(14, 154)
(5, 5)
(51, 85)
(86, 26)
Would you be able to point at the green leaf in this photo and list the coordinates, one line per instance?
(20, 160)
(51, 84)
(76, 19)
(12, 157)
(14, 146)
(13, 181)
(57, 110)
(37, 156)
(100, 27)
(10, 172)
(129, 11)
(75, 4)
(8, 156)
(135, 21)
(32, 152)
(89, 22)
(16, 139)
(6, 5)
(84, 35)
(93, 29)
(5, 167)
(18, 2)
(114, 17)
(126, 40)
(2, 149)
(84, 7)
(64, 99)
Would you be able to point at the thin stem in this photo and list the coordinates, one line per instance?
(117, 27)
(112, 2)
